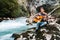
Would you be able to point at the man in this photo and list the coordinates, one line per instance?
(44, 19)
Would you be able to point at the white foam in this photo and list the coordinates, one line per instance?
(6, 37)
(10, 24)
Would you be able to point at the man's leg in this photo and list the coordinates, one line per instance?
(43, 23)
(40, 25)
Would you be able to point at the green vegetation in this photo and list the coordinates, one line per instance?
(11, 8)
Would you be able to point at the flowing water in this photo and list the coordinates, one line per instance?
(8, 27)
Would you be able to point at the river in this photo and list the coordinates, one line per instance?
(8, 27)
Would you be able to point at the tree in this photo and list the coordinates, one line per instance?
(11, 8)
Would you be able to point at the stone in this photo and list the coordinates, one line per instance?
(15, 35)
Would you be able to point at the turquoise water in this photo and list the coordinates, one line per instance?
(8, 27)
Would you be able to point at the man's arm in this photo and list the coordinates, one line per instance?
(45, 14)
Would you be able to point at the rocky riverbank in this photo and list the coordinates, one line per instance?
(46, 33)
(1, 19)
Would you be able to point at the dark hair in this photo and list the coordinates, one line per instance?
(45, 7)
(41, 7)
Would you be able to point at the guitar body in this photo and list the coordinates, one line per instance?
(37, 19)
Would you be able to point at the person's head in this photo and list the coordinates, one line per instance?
(42, 9)
(45, 7)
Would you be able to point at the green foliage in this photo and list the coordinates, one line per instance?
(20, 11)
(11, 8)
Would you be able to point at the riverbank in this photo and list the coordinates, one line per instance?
(46, 33)
(4, 18)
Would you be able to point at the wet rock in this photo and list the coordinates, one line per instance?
(58, 21)
(25, 34)
(52, 27)
(48, 31)
(4, 18)
(15, 36)
(1, 20)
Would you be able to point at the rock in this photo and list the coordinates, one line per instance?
(58, 21)
(50, 31)
(15, 36)
(1, 20)
(52, 27)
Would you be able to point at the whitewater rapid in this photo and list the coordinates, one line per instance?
(8, 27)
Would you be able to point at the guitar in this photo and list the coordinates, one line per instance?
(38, 19)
